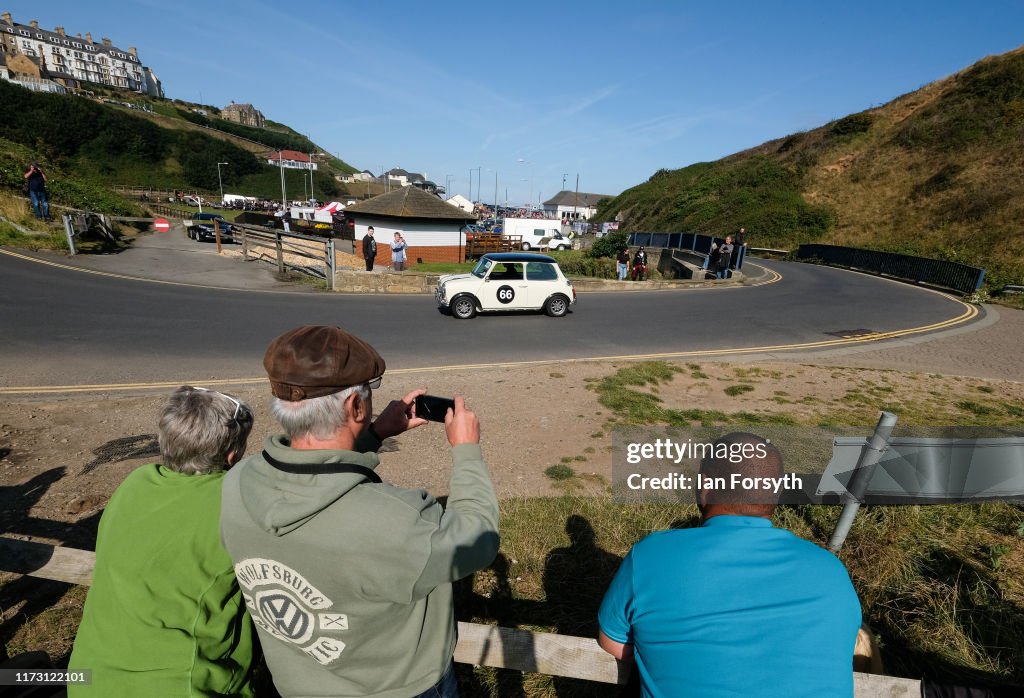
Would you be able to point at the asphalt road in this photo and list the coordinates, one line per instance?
(63, 327)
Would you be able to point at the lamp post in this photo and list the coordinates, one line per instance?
(219, 182)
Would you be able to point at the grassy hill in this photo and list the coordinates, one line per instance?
(86, 145)
(937, 172)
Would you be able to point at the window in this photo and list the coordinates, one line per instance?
(540, 271)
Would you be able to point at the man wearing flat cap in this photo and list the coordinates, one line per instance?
(349, 579)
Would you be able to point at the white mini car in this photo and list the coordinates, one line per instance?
(507, 281)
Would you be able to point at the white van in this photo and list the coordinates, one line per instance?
(537, 233)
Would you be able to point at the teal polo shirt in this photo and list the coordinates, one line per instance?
(736, 607)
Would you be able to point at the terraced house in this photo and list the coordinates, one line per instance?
(38, 58)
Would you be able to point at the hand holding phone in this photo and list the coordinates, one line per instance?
(461, 425)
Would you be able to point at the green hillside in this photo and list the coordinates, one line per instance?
(88, 145)
(936, 172)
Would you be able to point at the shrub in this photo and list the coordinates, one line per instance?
(609, 245)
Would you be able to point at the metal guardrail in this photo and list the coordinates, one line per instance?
(694, 242)
(936, 272)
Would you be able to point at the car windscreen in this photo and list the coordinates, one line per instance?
(480, 270)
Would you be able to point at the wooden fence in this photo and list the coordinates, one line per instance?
(282, 243)
(480, 645)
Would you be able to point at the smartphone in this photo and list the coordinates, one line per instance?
(433, 408)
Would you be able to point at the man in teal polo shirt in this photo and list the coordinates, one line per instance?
(736, 607)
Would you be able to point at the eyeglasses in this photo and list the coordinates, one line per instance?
(375, 383)
(238, 405)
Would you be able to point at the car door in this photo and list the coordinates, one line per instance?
(504, 288)
(543, 281)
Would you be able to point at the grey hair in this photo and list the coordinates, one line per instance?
(319, 417)
(198, 429)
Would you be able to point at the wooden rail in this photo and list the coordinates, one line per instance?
(255, 236)
(480, 645)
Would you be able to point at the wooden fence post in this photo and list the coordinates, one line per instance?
(280, 252)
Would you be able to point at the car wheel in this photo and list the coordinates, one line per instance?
(526, 245)
(463, 307)
(557, 306)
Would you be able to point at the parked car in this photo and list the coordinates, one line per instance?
(202, 228)
(507, 281)
(194, 201)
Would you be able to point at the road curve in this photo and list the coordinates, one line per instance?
(66, 328)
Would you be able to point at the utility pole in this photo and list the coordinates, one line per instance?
(495, 195)
(219, 182)
(576, 202)
(284, 199)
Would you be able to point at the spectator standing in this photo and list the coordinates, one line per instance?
(349, 579)
(369, 248)
(164, 615)
(398, 247)
(35, 183)
(739, 248)
(639, 264)
(724, 255)
(623, 263)
(735, 607)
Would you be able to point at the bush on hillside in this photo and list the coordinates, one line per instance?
(851, 125)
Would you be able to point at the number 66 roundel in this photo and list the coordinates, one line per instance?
(506, 294)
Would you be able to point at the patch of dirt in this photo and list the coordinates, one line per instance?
(61, 459)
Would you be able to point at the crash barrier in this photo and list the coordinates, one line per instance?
(693, 242)
(479, 645)
(287, 243)
(936, 272)
(81, 223)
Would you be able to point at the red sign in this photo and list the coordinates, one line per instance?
(162, 225)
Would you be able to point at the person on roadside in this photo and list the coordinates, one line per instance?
(639, 264)
(35, 184)
(622, 260)
(164, 615)
(348, 578)
(724, 255)
(369, 248)
(398, 247)
(734, 607)
(739, 248)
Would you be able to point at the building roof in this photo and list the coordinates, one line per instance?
(40, 34)
(288, 155)
(568, 198)
(234, 106)
(410, 202)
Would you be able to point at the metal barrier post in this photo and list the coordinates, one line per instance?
(865, 468)
(69, 230)
(332, 266)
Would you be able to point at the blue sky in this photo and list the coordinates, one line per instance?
(532, 92)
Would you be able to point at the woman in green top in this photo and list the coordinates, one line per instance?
(164, 615)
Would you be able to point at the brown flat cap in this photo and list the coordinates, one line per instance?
(317, 360)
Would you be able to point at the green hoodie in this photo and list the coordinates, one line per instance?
(349, 582)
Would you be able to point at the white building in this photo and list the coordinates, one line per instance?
(461, 202)
(290, 159)
(72, 60)
(570, 205)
